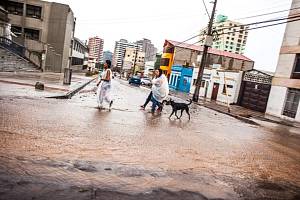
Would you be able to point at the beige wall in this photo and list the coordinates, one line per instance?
(56, 29)
(187, 55)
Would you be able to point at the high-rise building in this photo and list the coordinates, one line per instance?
(107, 55)
(232, 36)
(35, 25)
(119, 52)
(148, 48)
(96, 49)
(284, 99)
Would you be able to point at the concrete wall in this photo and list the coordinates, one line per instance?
(55, 26)
(286, 63)
(231, 78)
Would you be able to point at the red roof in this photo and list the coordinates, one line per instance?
(210, 50)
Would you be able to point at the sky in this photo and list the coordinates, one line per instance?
(178, 20)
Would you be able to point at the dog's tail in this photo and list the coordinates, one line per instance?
(191, 101)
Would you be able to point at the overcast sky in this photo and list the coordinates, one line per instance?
(177, 20)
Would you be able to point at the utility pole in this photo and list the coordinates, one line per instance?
(136, 54)
(208, 43)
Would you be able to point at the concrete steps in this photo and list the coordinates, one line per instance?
(9, 62)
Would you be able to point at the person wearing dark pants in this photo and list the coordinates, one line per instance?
(147, 101)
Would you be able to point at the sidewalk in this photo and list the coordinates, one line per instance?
(236, 111)
(53, 81)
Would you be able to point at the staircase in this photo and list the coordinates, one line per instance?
(12, 59)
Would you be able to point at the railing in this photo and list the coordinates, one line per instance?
(21, 51)
(12, 46)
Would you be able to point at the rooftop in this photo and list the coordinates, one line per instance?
(210, 51)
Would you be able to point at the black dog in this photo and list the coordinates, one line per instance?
(178, 106)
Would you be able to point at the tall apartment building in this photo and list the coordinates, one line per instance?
(96, 48)
(148, 48)
(119, 52)
(232, 35)
(285, 92)
(46, 28)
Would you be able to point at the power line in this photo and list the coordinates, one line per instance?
(206, 9)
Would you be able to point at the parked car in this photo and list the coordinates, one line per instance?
(146, 81)
(135, 80)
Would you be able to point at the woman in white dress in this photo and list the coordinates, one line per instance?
(104, 86)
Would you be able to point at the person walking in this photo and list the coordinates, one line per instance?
(104, 86)
(160, 89)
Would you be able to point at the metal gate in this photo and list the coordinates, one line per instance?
(256, 88)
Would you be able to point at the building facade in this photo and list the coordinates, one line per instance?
(119, 52)
(134, 60)
(96, 48)
(79, 55)
(148, 48)
(222, 74)
(5, 27)
(107, 55)
(232, 36)
(46, 28)
(285, 92)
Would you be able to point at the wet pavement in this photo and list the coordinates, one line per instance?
(68, 149)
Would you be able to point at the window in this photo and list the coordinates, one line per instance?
(16, 30)
(202, 83)
(227, 42)
(164, 61)
(239, 40)
(296, 71)
(228, 38)
(32, 34)
(33, 11)
(168, 49)
(240, 36)
(241, 32)
(242, 27)
(291, 103)
(224, 89)
(232, 38)
(15, 8)
(238, 45)
(194, 82)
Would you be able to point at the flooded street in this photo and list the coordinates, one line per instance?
(68, 149)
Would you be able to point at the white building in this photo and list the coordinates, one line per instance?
(285, 92)
(119, 52)
(5, 27)
(232, 35)
(79, 55)
(219, 85)
(96, 48)
(149, 67)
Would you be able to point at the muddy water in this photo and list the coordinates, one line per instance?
(70, 143)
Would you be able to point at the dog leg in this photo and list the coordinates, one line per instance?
(187, 112)
(181, 114)
(176, 114)
(171, 114)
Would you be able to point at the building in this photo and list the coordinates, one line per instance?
(134, 60)
(79, 55)
(119, 52)
(285, 92)
(232, 35)
(148, 48)
(223, 69)
(45, 28)
(5, 27)
(149, 68)
(107, 55)
(96, 48)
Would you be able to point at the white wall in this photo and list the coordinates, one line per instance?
(231, 78)
(277, 101)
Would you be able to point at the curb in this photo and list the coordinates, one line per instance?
(244, 119)
(71, 93)
(29, 84)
